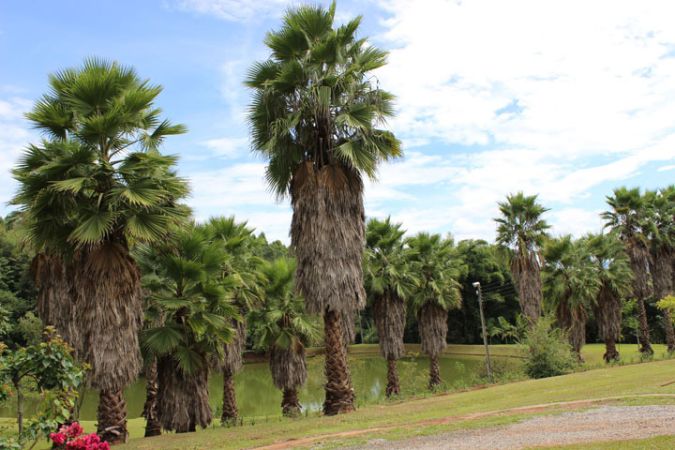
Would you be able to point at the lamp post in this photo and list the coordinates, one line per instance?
(488, 364)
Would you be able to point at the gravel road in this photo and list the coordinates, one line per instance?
(608, 423)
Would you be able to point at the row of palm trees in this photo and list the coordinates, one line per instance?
(634, 259)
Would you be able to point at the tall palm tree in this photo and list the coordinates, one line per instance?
(388, 281)
(571, 284)
(613, 268)
(626, 217)
(438, 268)
(660, 227)
(521, 231)
(240, 268)
(96, 185)
(283, 329)
(315, 115)
(196, 325)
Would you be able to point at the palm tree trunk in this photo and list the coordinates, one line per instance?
(290, 404)
(393, 386)
(611, 353)
(434, 372)
(230, 412)
(339, 391)
(152, 425)
(112, 417)
(643, 336)
(670, 333)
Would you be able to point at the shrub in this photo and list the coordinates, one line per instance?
(72, 437)
(548, 352)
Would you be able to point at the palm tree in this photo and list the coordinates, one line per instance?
(571, 284)
(283, 329)
(434, 260)
(240, 268)
(626, 217)
(315, 116)
(521, 231)
(389, 282)
(613, 268)
(195, 326)
(660, 227)
(98, 184)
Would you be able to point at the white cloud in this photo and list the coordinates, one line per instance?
(575, 221)
(14, 135)
(234, 10)
(227, 147)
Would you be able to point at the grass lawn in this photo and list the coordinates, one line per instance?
(405, 418)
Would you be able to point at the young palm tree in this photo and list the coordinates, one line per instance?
(438, 269)
(97, 184)
(388, 281)
(315, 117)
(613, 268)
(571, 284)
(626, 217)
(195, 326)
(240, 268)
(521, 231)
(283, 329)
(660, 227)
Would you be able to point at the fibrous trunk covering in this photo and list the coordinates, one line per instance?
(112, 417)
(526, 271)
(327, 235)
(152, 425)
(290, 405)
(433, 329)
(232, 363)
(389, 312)
(289, 372)
(339, 391)
(183, 399)
(608, 316)
(662, 275)
(639, 263)
(393, 385)
(573, 321)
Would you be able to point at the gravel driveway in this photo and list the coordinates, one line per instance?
(607, 423)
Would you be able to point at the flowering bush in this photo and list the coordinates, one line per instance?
(71, 437)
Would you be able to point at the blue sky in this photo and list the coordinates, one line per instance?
(566, 99)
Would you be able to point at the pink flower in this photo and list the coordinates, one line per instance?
(74, 430)
(58, 438)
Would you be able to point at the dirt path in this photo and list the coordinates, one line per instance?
(607, 423)
(570, 405)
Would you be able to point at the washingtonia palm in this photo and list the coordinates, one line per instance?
(438, 268)
(521, 231)
(612, 265)
(283, 329)
(96, 185)
(626, 217)
(316, 116)
(196, 316)
(571, 285)
(389, 282)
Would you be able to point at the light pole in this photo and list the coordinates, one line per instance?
(488, 364)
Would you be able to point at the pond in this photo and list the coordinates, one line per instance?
(257, 396)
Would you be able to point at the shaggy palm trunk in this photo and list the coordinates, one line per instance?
(290, 404)
(670, 333)
(393, 385)
(639, 262)
(389, 312)
(232, 363)
(433, 329)
(526, 273)
(573, 321)
(339, 391)
(112, 417)
(152, 425)
(327, 236)
(662, 276)
(183, 399)
(608, 317)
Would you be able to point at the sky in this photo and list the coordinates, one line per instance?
(565, 99)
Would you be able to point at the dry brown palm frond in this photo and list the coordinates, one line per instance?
(389, 312)
(288, 366)
(183, 401)
(433, 328)
(327, 234)
(608, 314)
(233, 352)
(348, 326)
(108, 315)
(526, 271)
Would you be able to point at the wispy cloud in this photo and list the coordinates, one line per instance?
(14, 136)
(234, 10)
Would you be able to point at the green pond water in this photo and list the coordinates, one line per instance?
(257, 396)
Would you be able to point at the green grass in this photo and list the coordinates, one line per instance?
(659, 442)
